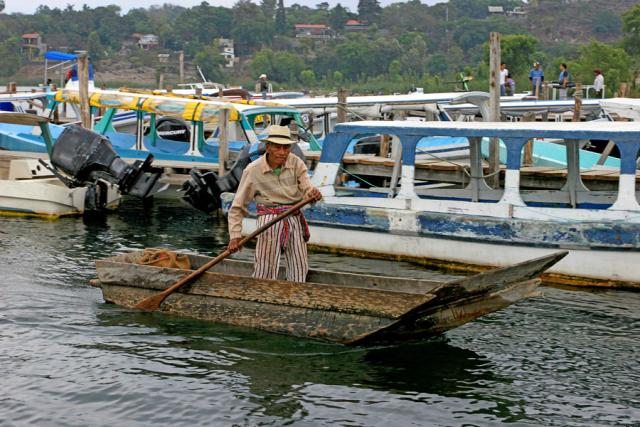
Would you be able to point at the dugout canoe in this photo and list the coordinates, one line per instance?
(348, 308)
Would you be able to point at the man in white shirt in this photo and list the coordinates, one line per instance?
(503, 78)
(598, 82)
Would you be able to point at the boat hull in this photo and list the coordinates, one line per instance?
(346, 308)
(47, 198)
(600, 254)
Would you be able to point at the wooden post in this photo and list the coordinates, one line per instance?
(181, 59)
(198, 92)
(12, 87)
(528, 148)
(223, 141)
(577, 107)
(384, 145)
(83, 85)
(494, 106)
(161, 81)
(342, 106)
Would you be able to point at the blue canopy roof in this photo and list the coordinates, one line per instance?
(59, 56)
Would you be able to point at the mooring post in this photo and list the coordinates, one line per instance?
(494, 107)
(577, 106)
(83, 88)
(223, 141)
(342, 106)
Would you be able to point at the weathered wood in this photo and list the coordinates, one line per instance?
(494, 107)
(527, 159)
(367, 311)
(223, 142)
(83, 90)
(342, 106)
(22, 119)
(577, 108)
(305, 295)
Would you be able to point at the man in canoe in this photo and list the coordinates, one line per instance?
(276, 181)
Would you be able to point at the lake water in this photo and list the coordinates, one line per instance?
(68, 359)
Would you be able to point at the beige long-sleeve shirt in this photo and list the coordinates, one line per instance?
(259, 182)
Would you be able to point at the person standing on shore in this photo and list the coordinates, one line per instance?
(598, 83)
(536, 77)
(563, 81)
(263, 85)
(503, 79)
(276, 181)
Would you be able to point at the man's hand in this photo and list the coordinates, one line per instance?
(314, 194)
(233, 245)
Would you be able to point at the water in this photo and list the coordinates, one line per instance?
(69, 359)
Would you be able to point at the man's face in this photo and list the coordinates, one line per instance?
(277, 153)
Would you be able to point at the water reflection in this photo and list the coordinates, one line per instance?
(274, 365)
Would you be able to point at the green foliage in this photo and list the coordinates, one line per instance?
(94, 47)
(409, 44)
(279, 66)
(307, 78)
(631, 29)
(10, 53)
(210, 61)
(369, 10)
(614, 62)
(517, 52)
(252, 29)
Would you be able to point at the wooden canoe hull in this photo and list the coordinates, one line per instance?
(356, 309)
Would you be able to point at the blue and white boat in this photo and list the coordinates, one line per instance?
(481, 226)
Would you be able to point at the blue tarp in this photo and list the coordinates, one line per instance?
(59, 56)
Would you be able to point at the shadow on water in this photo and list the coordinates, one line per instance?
(279, 362)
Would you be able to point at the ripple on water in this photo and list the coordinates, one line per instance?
(68, 359)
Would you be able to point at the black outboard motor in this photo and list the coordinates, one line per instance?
(81, 157)
(203, 190)
(173, 129)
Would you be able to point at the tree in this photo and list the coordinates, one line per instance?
(614, 63)
(307, 78)
(338, 16)
(251, 28)
(369, 10)
(517, 52)
(10, 53)
(281, 18)
(210, 61)
(631, 29)
(94, 47)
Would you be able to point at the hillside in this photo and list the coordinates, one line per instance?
(576, 22)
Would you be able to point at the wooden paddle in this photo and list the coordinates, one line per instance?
(153, 302)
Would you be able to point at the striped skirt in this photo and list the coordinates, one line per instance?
(270, 246)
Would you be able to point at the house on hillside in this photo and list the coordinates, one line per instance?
(228, 51)
(313, 31)
(496, 10)
(147, 41)
(517, 11)
(353, 25)
(32, 44)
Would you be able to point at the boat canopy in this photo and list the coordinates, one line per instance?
(59, 56)
(189, 109)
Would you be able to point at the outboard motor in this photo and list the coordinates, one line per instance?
(173, 129)
(81, 157)
(203, 190)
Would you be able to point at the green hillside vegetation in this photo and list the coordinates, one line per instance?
(406, 44)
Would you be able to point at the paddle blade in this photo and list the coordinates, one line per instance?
(151, 303)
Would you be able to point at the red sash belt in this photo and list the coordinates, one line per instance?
(277, 210)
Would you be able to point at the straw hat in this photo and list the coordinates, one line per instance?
(279, 135)
(263, 76)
